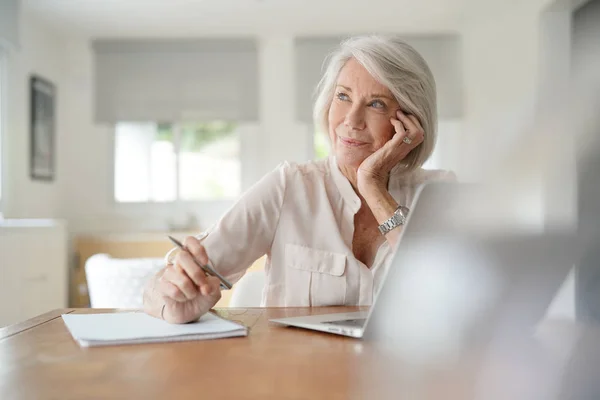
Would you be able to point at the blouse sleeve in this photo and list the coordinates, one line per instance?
(246, 231)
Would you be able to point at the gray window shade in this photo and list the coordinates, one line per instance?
(176, 80)
(442, 53)
(9, 23)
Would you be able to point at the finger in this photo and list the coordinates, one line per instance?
(169, 290)
(399, 128)
(408, 123)
(414, 143)
(214, 285)
(186, 262)
(418, 139)
(415, 138)
(395, 149)
(177, 276)
(198, 252)
(194, 246)
(399, 140)
(403, 148)
(415, 121)
(415, 133)
(419, 136)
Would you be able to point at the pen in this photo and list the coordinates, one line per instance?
(206, 268)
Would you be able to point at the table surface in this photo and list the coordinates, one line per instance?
(40, 360)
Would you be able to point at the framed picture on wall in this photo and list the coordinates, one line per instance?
(42, 129)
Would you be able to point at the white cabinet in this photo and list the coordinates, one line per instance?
(33, 268)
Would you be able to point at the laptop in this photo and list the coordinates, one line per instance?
(458, 270)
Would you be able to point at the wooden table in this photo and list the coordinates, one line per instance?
(40, 360)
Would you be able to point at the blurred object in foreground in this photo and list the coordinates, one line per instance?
(467, 320)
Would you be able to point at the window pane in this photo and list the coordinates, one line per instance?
(322, 145)
(163, 165)
(144, 163)
(209, 161)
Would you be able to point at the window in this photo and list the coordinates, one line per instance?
(322, 144)
(164, 162)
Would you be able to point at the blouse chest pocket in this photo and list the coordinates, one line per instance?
(314, 277)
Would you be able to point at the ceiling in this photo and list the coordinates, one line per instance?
(181, 18)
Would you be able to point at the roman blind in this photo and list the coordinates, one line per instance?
(176, 80)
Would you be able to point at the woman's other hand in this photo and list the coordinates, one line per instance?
(375, 169)
(187, 291)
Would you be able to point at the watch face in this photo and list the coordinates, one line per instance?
(401, 211)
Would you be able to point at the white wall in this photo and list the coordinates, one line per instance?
(41, 52)
(516, 65)
(87, 195)
(501, 74)
(501, 68)
(33, 254)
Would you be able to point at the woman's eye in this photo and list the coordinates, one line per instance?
(342, 96)
(377, 104)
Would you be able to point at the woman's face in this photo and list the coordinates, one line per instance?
(359, 116)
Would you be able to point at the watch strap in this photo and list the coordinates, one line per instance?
(396, 220)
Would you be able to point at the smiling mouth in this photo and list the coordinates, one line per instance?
(351, 142)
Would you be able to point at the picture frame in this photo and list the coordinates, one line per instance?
(42, 129)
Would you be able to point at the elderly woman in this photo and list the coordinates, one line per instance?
(328, 227)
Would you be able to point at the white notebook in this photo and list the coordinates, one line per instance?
(137, 327)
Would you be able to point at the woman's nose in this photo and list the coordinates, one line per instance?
(355, 119)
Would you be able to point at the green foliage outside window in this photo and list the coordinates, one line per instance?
(195, 136)
(322, 146)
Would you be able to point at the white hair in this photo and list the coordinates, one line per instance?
(400, 68)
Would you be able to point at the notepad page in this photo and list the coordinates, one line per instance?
(139, 327)
(185, 338)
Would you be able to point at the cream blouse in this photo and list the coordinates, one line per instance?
(302, 217)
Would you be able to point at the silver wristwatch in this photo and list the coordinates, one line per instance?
(399, 218)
